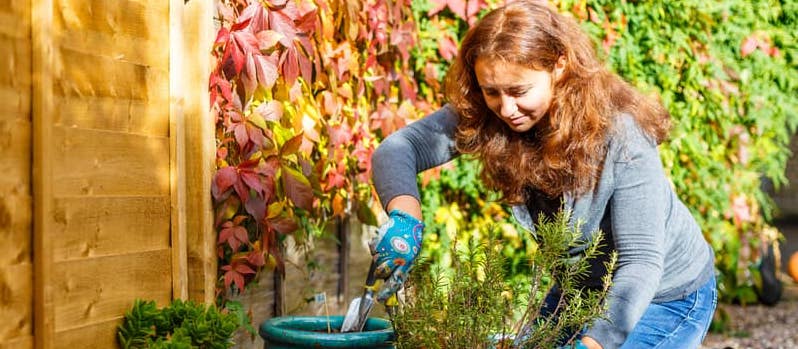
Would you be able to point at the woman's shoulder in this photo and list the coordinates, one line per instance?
(627, 139)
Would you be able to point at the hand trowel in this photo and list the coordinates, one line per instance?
(360, 307)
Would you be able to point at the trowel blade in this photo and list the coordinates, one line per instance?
(357, 314)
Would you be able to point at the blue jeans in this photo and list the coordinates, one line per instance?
(677, 324)
(682, 323)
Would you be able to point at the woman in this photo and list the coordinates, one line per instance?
(555, 129)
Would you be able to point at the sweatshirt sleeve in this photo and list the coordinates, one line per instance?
(421, 145)
(638, 213)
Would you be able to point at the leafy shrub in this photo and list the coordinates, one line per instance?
(471, 304)
(179, 325)
(728, 74)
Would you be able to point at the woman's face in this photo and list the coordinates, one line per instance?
(519, 96)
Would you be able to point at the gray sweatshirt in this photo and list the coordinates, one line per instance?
(662, 255)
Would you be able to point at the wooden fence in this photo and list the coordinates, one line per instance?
(107, 154)
(107, 151)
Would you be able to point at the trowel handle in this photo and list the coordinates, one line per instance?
(390, 305)
(371, 278)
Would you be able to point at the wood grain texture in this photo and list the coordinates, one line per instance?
(15, 54)
(16, 286)
(90, 75)
(103, 226)
(15, 150)
(177, 155)
(95, 290)
(91, 162)
(15, 17)
(122, 51)
(15, 230)
(200, 149)
(16, 102)
(135, 50)
(101, 161)
(43, 58)
(113, 114)
(97, 335)
(125, 18)
(25, 342)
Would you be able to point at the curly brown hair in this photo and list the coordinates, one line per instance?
(564, 152)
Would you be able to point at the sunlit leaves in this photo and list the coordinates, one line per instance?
(235, 273)
(270, 111)
(291, 146)
(233, 234)
(223, 179)
(297, 188)
(294, 92)
(465, 9)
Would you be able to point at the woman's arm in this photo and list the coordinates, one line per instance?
(639, 206)
(397, 161)
(421, 145)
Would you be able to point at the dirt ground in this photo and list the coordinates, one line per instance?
(759, 326)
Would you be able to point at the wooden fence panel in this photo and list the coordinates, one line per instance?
(103, 164)
(94, 290)
(16, 269)
(90, 227)
(98, 335)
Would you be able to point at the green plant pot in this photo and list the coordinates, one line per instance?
(291, 332)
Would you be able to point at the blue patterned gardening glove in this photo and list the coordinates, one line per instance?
(397, 245)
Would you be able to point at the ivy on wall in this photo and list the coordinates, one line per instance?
(302, 91)
(727, 73)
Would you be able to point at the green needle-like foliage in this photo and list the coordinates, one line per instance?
(470, 305)
(577, 306)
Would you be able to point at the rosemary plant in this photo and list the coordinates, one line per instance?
(471, 305)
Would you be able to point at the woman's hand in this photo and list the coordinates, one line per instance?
(397, 245)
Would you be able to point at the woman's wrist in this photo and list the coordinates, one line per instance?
(407, 204)
(591, 343)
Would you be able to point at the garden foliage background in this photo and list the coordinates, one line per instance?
(303, 91)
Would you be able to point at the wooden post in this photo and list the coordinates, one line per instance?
(177, 159)
(279, 295)
(343, 259)
(191, 44)
(43, 110)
